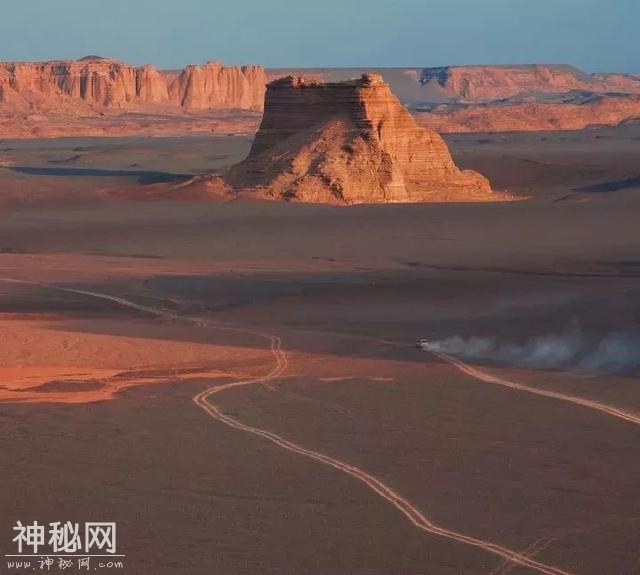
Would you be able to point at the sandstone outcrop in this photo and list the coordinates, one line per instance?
(348, 142)
(104, 83)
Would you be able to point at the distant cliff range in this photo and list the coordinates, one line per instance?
(98, 82)
(102, 96)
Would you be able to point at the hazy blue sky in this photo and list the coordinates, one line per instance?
(592, 34)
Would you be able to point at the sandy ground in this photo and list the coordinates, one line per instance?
(321, 440)
(127, 123)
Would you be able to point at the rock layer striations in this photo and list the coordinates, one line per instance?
(103, 83)
(348, 142)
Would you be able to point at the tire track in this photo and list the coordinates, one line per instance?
(577, 400)
(202, 400)
(541, 544)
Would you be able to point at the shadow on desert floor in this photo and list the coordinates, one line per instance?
(143, 176)
(611, 186)
(342, 315)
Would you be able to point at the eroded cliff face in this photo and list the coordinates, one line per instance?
(348, 142)
(100, 82)
(218, 86)
(486, 83)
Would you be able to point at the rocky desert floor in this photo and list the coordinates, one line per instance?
(237, 385)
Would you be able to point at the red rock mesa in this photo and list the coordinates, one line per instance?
(100, 82)
(346, 143)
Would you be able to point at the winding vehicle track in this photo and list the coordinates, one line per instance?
(488, 378)
(203, 400)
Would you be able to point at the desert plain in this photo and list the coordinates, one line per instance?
(237, 384)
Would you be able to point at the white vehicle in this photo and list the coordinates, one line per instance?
(422, 343)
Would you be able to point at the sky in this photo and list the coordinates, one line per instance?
(595, 35)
